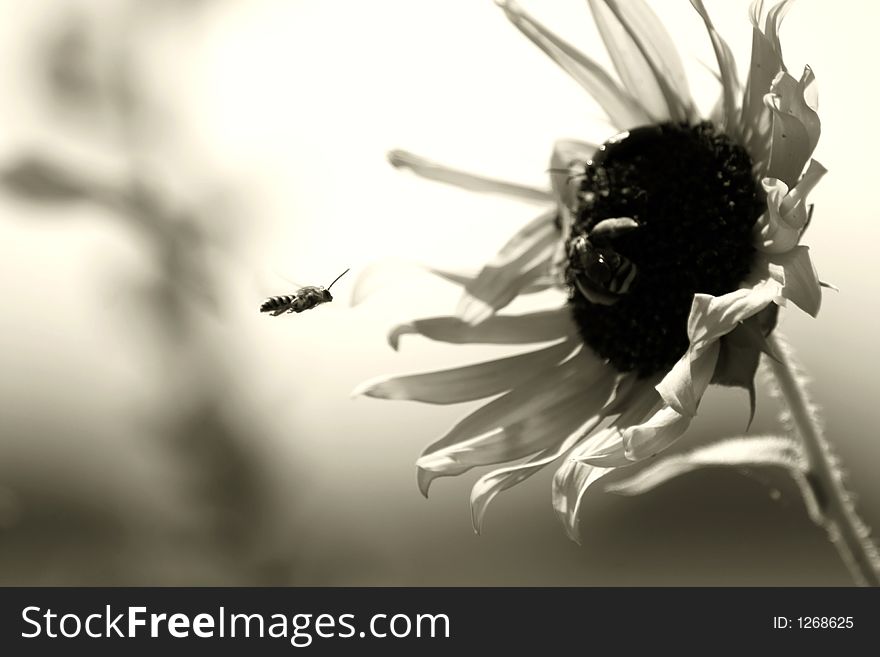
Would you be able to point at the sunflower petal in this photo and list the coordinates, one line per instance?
(570, 484)
(523, 260)
(727, 65)
(766, 63)
(538, 283)
(799, 98)
(431, 170)
(543, 326)
(711, 317)
(532, 434)
(622, 109)
(466, 383)
(683, 387)
(645, 57)
(580, 382)
(802, 285)
(758, 451)
(606, 447)
(796, 200)
(796, 127)
(490, 485)
(655, 434)
(576, 376)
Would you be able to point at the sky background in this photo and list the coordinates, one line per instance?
(156, 429)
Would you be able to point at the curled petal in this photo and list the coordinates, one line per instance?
(466, 383)
(683, 387)
(711, 317)
(622, 109)
(472, 182)
(802, 284)
(654, 435)
(796, 200)
(773, 233)
(779, 229)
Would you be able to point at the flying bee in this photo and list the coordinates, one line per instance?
(601, 274)
(305, 298)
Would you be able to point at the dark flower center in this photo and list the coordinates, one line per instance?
(692, 201)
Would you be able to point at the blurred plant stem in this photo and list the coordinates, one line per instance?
(231, 532)
(834, 508)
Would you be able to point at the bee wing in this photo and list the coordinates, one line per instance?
(292, 282)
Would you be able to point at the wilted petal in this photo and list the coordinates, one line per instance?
(758, 451)
(623, 110)
(780, 228)
(525, 258)
(655, 434)
(802, 285)
(472, 182)
(645, 57)
(683, 387)
(772, 232)
(796, 200)
(466, 383)
(727, 66)
(543, 326)
(711, 317)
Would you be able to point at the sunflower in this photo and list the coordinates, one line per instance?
(676, 241)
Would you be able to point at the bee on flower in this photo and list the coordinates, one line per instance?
(676, 241)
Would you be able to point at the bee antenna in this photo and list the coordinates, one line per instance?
(338, 277)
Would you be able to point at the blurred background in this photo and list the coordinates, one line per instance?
(167, 164)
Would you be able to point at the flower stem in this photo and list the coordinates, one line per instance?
(836, 512)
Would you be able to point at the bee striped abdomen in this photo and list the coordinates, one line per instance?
(277, 305)
(622, 277)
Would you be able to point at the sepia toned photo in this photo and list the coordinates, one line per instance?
(439, 294)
